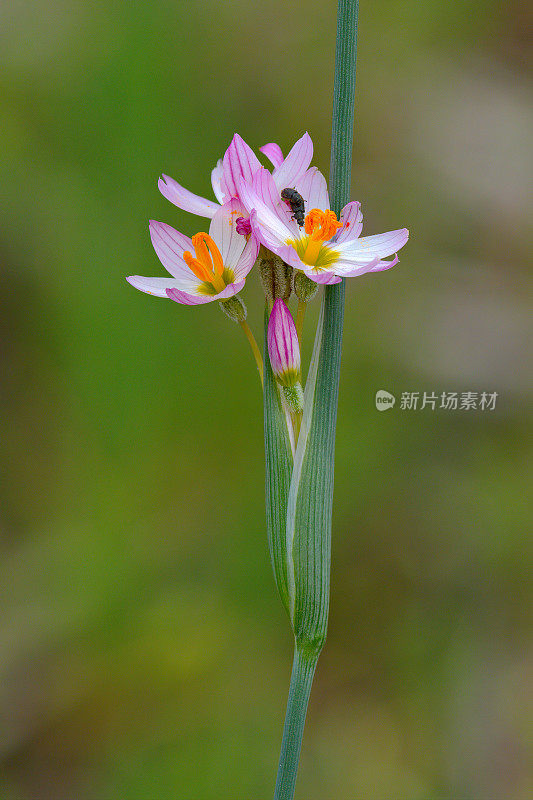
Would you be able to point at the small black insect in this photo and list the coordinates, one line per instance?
(297, 204)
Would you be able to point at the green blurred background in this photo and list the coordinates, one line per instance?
(144, 652)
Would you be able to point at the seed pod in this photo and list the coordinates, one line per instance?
(304, 288)
(234, 308)
(276, 277)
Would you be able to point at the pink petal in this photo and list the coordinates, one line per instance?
(169, 244)
(282, 340)
(383, 265)
(154, 286)
(264, 186)
(239, 161)
(324, 277)
(380, 246)
(294, 166)
(216, 178)
(352, 219)
(265, 223)
(314, 190)
(247, 259)
(223, 229)
(291, 257)
(187, 299)
(273, 152)
(263, 234)
(184, 199)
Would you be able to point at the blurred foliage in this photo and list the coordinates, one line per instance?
(143, 650)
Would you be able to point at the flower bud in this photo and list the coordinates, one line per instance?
(283, 346)
(304, 288)
(234, 308)
(276, 276)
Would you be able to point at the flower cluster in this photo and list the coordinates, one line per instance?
(285, 210)
(280, 219)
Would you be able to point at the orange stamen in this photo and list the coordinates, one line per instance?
(208, 265)
(201, 272)
(320, 226)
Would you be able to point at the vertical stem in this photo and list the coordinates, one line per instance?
(303, 670)
(343, 105)
(300, 314)
(255, 349)
(327, 385)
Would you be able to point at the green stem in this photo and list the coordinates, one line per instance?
(255, 349)
(318, 485)
(303, 670)
(340, 176)
(300, 314)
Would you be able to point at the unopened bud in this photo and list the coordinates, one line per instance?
(234, 308)
(304, 288)
(276, 277)
(283, 346)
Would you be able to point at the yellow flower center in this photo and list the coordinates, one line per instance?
(208, 265)
(320, 227)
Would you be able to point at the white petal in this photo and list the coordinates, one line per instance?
(156, 286)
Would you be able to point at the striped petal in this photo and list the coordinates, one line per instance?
(283, 346)
(323, 277)
(352, 221)
(294, 166)
(271, 231)
(379, 246)
(184, 199)
(169, 244)
(239, 162)
(314, 190)
(264, 186)
(223, 230)
(216, 178)
(157, 286)
(273, 152)
(187, 299)
(247, 259)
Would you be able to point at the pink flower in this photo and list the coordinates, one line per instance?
(324, 248)
(222, 259)
(240, 163)
(283, 346)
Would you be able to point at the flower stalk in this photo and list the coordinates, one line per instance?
(308, 530)
(254, 347)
